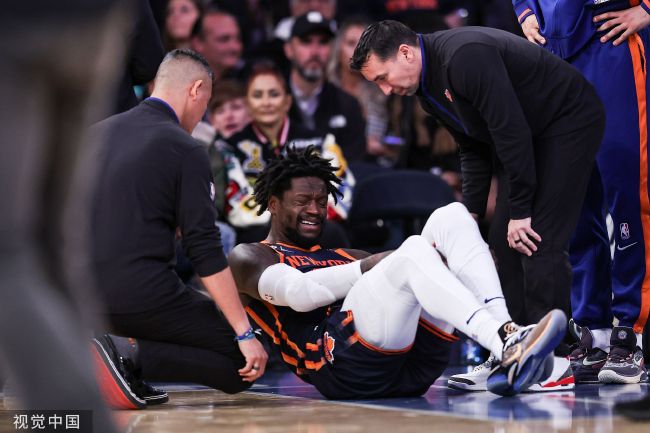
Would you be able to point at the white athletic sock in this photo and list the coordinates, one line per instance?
(455, 234)
(602, 338)
(485, 329)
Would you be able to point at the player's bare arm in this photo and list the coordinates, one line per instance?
(370, 261)
(248, 262)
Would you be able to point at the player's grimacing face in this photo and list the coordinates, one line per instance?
(303, 209)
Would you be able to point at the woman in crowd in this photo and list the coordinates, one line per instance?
(180, 18)
(371, 99)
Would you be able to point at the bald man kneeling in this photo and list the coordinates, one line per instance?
(155, 179)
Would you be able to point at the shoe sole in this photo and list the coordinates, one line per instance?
(555, 387)
(115, 390)
(158, 399)
(586, 378)
(565, 384)
(562, 383)
(524, 369)
(460, 386)
(608, 376)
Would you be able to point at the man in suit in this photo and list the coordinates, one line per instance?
(515, 110)
(157, 179)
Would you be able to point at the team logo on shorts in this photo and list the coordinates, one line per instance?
(622, 335)
(329, 343)
(625, 231)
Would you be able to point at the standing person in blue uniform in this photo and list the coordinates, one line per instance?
(514, 109)
(607, 42)
(157, 178)
(362, 326)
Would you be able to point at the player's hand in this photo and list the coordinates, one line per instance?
(521, 236)
(622, 24)
(256, 358)
(530, 27)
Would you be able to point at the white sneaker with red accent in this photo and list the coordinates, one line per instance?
(475, 380)
(561, 378)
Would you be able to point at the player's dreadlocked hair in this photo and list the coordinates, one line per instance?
(275, 179)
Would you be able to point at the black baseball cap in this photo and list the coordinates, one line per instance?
(313, 22)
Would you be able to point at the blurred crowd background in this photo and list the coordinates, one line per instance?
(282, 79)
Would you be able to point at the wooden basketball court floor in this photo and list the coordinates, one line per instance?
(280, 403)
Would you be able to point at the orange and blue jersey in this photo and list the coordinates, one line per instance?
(619, 183)
(567, 25)
(323, 348)
(295, 334)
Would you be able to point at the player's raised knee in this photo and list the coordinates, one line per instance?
(415, 247)
(415, 242)
(452, 213)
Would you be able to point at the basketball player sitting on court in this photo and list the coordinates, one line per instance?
(357, 325)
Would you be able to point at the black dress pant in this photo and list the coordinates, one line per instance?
(187, 341)
(536, 284)
(508, 261)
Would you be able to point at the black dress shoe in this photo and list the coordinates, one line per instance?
(113, 377)
(150, 394)
(128, 351)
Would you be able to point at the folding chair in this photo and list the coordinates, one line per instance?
(391, 205)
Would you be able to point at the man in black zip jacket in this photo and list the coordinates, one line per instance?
(157, 178)
(513, 109)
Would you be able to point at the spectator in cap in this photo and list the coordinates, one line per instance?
(319, 104)
(327, 8)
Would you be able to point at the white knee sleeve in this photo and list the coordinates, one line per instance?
(385, 310)
(446, 223)
(391, 297)
(456, 236)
